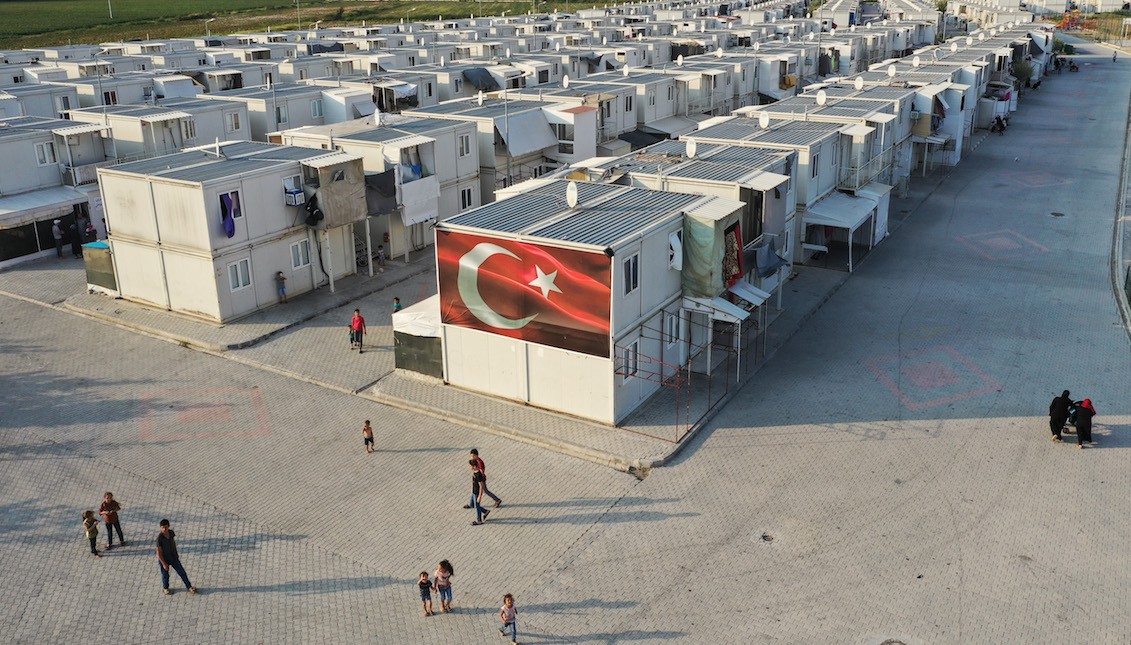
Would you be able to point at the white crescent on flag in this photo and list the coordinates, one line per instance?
(468, 284)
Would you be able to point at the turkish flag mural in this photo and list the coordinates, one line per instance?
(541, 294)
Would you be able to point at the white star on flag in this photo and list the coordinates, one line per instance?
(545, 282)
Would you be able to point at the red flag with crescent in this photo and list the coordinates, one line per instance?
(534, 292)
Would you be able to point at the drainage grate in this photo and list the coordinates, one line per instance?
(1055, 214)
(892, 641)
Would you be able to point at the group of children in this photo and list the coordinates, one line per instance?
(442, 584)
(109, 512)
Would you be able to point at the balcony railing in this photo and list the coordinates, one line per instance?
(85, 174)
(856, 177)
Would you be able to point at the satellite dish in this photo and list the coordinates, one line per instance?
(757, 46)
(786, 40)
(891, 71)
(981, 36)
(441, 62)
(625, 71)
(557, 47)
(953, 47)
(885, 22)
(604, 41)
(718, 53)
(679, 60)
(508, 52)
(822, 97)
(691, 148)
(565, 81)
(479, 98)
(969, 41)
(938, 54)
(852, 28)
(859, 83)
(915, 62)
(812, 36)
(832, 32)
(763, 120)
(571, 194)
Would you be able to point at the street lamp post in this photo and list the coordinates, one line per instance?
(298, 11)
(110, 4)
(207, 29)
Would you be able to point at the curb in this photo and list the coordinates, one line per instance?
(217, 348)
(1118, 230)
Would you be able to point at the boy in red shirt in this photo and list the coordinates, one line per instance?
(357, 330)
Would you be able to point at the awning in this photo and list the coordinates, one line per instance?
(529, 132)
(421, 319)
(408, 142)
(25, 208)
(639, 139)
(938, 139)
(857, 130)
(80, 129)
(400, 90)
(765, 181)
(841, 211)
(882, 118)
(363, 109)
(673, 126)
(749, 293)
(330, 160)
(481, 79)
(168, 116)
(717, 308)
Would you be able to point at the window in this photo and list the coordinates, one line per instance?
(465, 199)
(555, 69)
(671, 93)
(110, 98)
(316, 108)
(188, 129)
(412, 61)
(300, 254)
(232, 121)
(651, 99)
(814, 165)
(429, 88)
(230, 205)
(267, 78)
(564, 132)
(302, 74)
(543, 76)
(464, 145)
(457, 84)
(63, 103)
(630, 360)
(631, 273)
(281, 114)
(628, 104)
(291, 184)
(45, 153)
(671, 328)
(239, 274)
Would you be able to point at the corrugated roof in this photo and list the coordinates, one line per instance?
(510, 215)
(615, 219)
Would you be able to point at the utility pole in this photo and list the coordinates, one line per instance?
(109, 3)
(298, 10)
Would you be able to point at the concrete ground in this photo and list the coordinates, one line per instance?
(886, 477)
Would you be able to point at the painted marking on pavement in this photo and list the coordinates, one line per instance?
(197, 414)
(1001, 245)
(931, 377)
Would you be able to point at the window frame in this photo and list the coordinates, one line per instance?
(244, 262)
(237, 212)
(466, 198)
(814, 165)
(232, 121)
(281, 115)
(464, 145)
(41, 149)
(302, 247)
(316, 113)
(630, 360)
(630, 268)
(673, 334)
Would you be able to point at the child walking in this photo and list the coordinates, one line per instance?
(367, 432)
(444, 574)
(425, 593)
(397, 305)
(507, 614)
(90, 523)
(109, 512)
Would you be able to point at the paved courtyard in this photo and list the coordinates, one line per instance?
(887, 474)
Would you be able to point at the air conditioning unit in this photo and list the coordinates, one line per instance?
(295, 198)
(914, 115)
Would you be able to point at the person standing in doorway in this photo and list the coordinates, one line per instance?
(443, 576)
(367, 432)
(90, 525)
(1084, 413)
(483, 469)
(477, 487)
(381, 257)
(1058, 414)
(109, 512)
(357, 331)
(168, 557)
(57, 233)
(281, 286)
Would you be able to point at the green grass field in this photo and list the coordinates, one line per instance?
(36, 23)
